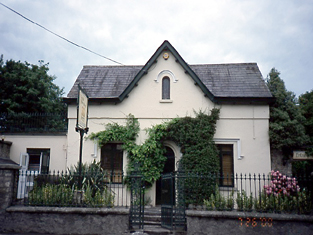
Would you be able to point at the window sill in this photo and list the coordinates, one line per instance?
(166, 101)
(227, 188)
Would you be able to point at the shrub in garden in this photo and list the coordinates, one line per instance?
(92, 176)
(104, 198)
(62, 189)
(244, 202)
(50, 195)
(218, 202)
(281, 184)
(283, 194)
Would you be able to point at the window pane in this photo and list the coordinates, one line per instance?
(226, 164)
(112, 161)
(35, 155)
(227, 169)
(165, 88)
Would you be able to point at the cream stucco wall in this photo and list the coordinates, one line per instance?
(56, 143)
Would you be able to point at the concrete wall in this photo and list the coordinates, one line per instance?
(49, 220)
(64, 220)
(220, 223)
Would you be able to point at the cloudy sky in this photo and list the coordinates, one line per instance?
(273, 33)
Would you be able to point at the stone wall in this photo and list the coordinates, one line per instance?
(52, 220)
(247, 223)
(280, 163)
(8, 175)
(5, 149)
(7, 181)
(113, 221)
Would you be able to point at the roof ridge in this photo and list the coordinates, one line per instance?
(109, 66)
(235, 63)
(115, 66)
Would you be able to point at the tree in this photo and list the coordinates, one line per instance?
(286, 129)
(27, 88)
(306, 107)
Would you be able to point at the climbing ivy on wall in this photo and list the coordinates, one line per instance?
(193, 135)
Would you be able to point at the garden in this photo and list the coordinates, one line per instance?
(63, 189)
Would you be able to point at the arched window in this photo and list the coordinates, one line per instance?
(166, 88)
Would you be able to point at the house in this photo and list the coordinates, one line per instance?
(167, 87)
(164, 88)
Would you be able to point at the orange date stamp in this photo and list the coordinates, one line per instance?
(254, 222)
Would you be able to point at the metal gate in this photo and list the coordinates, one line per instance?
(173, 215)
(136, 212)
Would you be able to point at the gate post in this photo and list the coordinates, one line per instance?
(136, 211)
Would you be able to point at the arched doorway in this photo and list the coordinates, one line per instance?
(169, 167)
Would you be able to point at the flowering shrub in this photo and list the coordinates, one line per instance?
(282, 185)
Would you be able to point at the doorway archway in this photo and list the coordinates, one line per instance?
(169, 167)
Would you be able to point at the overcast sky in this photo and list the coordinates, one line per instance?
(273, 33)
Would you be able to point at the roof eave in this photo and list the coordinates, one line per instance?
(244, 100)
(115, 100)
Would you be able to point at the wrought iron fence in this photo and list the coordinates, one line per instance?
(246, 192)
(32, 122)
(60, 189)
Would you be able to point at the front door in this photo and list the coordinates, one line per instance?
(168, 168)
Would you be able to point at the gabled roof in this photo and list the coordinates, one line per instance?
(222, 83)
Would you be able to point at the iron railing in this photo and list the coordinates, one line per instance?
(61, 189)
(33, 122)
(247, 192)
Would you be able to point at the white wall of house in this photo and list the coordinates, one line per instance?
(56, 143)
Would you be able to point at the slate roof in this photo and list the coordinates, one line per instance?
(104, 81)
(222, 83)
(232, 80)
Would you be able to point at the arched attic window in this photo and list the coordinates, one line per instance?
(166, 91)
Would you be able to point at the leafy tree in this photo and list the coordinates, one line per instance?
(286, 129)
(27, 88)
(306, 107)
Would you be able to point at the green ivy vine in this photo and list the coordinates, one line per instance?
(193, 135)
